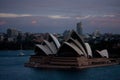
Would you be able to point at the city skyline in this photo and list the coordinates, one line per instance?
(58, 15)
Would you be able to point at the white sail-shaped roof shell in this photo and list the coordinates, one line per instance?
(89, 51)
(81, 47)
(55, 41)
(45, 49)
(78, 39)
(77, 44)
(71, 49)
(75, 48)
(103, 53)
(49, 46)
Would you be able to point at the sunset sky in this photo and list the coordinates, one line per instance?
(55, 16)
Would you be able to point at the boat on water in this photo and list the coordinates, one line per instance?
(21, 52)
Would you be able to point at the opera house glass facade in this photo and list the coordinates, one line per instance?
(72, 53)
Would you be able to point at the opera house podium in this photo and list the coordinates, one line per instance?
(73, 53)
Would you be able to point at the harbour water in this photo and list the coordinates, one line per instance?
(12, 68)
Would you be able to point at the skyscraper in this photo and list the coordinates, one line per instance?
(96, 33)
(12, 32)
(79, 28)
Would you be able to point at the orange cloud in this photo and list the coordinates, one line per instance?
(2, 22)
(105, 21)
(12, 15)
(34, 22)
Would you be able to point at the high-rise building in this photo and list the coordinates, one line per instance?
(79, 28)
(1, 37)
(12, 32)
(96, 33)
(65, 34)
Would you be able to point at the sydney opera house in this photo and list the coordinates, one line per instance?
(72, 53)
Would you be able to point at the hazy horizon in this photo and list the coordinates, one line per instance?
(55, 16)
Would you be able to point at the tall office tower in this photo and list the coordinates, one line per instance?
(79, 28)
(12, 32)
(96, 33)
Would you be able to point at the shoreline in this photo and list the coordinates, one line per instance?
(68, 67)
(70, 63)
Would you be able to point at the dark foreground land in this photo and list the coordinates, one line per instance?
(112, 47)
(27, 45)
